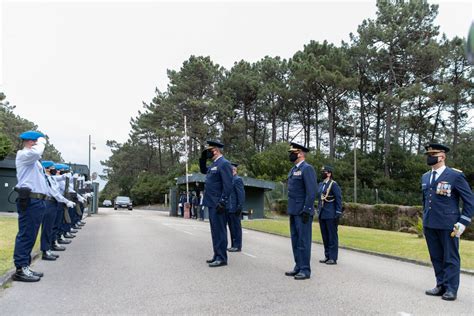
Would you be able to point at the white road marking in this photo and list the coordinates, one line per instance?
(403, 314)
(187, 232)
(249, 255)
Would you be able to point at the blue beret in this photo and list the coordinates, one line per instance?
(60, 166)
(436, 148)
(212, 144)
(295, 146)
(47, 164)
(31, 135)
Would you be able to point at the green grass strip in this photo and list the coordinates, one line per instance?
(386, 242)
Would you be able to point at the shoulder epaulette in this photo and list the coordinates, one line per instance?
(457, 170)
(427, 172)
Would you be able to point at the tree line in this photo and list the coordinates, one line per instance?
(395, 86)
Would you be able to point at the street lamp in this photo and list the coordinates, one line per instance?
(91, 145)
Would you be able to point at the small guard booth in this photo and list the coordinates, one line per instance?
(254, 193)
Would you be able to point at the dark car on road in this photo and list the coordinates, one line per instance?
(123, 202)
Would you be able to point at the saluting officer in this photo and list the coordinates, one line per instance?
(237, 200)
(302, 185)
(32, 190)
(443, 223)
(218, 187)
(49, 219)
(329, 212)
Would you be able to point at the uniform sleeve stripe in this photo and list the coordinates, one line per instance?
(466, 218)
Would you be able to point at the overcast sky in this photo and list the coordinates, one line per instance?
(92, 64)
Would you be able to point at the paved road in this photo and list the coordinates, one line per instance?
(144, 262)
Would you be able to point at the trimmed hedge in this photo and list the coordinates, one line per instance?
(378, 216)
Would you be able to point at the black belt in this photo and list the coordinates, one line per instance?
(38, 196)
(50, 199)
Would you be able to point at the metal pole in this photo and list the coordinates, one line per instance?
(355, 163)
(89, 158)
(186, 156)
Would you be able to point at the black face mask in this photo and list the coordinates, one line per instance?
(53, 172)
(293, 157)
(431, 160)
(61, 172)
(210, 154)
(324, 175)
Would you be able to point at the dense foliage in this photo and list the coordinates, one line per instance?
(397, 85)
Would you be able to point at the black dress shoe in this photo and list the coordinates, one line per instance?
(233, 249)
(25, 275)
(73, 231)
(291, 273)
(48, 257)
(449, 296)
(217, 263)
(210, 260)
(57, 247)
(82, 223)
(64, 241)
(69, 235)
(301, 276)
(437, 291)
(330, 261)
(324, 260)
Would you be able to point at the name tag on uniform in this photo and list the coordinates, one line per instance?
(297, 173)
(213, 168)
(444, 188)
(423, 185)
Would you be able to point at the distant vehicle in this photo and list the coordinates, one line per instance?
(123, 202)
(107, 203)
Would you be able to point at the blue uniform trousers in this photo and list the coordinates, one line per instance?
(58, 221)
(330, 238)
(301, 243)
(47, 225)
(235, 228)
(29, 222)
(444, 254)
(219, 234)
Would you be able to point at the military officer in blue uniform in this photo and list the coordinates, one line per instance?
(329, 212)
(237, 200)
(32, 190)
(443, 223)
(302, 186)
(218, 187)
(49, 219)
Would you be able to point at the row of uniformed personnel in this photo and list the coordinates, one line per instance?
(46, 198)
(443, 221)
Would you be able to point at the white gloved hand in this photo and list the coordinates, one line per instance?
(80, 198)
(458, 229)
(41, 140)
(70, 204)
(75, 176)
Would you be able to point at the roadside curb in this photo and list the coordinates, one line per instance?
(418, 262)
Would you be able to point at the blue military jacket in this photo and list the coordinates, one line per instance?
(302, 186)
(218, 184)
(237, 197)
(329, 203)
(441, 200)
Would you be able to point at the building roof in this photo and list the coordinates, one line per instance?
(248, 182)
(7, 163)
